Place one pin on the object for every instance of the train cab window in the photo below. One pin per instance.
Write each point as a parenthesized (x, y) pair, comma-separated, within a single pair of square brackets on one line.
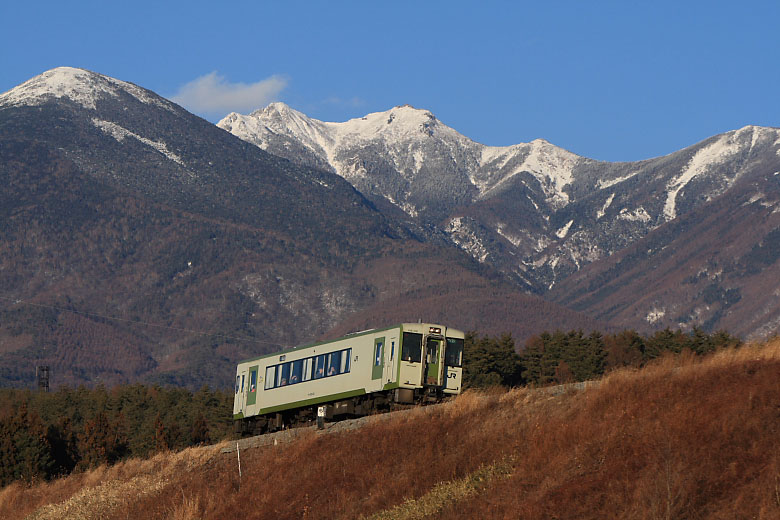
[(411, 348), (392, 350), (378, 354), (453, 353), (242, 382), (253, 380), (238, 380)]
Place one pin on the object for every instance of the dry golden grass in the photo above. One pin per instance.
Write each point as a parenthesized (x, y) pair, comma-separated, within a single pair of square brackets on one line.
[(102, 491), (446, 494), (682, 438)]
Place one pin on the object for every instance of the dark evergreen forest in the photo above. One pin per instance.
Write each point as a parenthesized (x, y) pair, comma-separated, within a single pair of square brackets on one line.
[(44, 435), (560, 357)]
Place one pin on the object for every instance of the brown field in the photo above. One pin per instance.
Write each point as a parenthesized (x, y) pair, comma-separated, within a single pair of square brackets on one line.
[(685, 437)]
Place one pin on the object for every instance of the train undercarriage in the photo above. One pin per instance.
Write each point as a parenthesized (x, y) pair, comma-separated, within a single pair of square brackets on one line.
[(369, 404)]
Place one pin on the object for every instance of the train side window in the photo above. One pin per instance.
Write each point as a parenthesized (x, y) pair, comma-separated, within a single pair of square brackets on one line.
[(283, 374), (411, 348), (297, 372), (334, 362), (319, 368), (345, 359), (270, 377), (307, 365)]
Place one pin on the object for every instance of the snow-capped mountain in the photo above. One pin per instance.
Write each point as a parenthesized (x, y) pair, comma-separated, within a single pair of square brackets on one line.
[(533, 209), (80, 86), (407, 156), (130, 226)]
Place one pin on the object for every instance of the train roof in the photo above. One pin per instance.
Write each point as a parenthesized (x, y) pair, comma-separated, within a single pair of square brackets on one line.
[(350, 335)]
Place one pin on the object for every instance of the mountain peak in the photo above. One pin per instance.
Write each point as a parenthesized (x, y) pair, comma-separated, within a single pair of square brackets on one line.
[(411, 109), (278, 112), (277, 107), (80, 86)]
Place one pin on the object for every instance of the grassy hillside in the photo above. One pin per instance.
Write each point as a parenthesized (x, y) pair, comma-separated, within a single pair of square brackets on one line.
[(682, 438)]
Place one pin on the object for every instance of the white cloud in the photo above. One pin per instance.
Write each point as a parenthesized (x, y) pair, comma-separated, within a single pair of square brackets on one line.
[(213, 95)]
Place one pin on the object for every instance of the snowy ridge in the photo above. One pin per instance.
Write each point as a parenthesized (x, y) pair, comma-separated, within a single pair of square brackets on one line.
[(638, 215), (718, 151), (708, 158), (603, 211), (603, 183), (119, 133), (399, 124), (561, 233), (405, 132), (80, 86), (465, 238), (551, 165)]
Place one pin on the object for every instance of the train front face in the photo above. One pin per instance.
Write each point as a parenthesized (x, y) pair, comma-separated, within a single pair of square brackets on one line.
[(431, 358)]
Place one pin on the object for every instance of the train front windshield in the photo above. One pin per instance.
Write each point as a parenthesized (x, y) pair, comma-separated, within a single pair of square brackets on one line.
[(411, 349), (453, 355)]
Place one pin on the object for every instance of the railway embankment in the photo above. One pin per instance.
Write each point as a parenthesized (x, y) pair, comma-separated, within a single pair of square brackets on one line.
[(292, 434)]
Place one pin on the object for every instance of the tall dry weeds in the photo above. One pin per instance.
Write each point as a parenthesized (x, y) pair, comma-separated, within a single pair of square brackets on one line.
[(684, 438), (103, 491)]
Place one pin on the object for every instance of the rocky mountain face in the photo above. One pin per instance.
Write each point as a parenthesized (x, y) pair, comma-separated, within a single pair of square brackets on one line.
[(541, 214), (715, 266), (140, 242)]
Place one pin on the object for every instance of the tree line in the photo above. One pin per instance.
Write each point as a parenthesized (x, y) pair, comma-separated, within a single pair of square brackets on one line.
[(44, 435), (564, 357)]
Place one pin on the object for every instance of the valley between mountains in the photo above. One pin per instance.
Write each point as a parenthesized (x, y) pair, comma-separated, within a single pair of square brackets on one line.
[(140, 242)]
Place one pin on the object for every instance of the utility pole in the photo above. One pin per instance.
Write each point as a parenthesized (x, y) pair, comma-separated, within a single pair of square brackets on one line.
[(42, 375)]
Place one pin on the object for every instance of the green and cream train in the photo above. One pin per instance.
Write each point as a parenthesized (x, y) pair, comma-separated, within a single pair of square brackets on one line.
[(350, 376)]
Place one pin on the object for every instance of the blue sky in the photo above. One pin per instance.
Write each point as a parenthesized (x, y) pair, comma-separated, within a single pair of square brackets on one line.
[(608, 80)]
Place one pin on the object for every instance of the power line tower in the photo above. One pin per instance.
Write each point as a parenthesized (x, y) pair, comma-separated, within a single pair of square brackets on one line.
[(42, 374)]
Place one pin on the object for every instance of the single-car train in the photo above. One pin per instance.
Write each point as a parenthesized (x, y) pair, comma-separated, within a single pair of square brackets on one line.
[(350, 376)]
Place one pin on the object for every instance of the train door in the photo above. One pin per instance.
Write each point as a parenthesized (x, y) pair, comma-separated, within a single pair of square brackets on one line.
[(433, 352), (251, 386), (410, 373), (390, 353), (378, 370), (240, 398)]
